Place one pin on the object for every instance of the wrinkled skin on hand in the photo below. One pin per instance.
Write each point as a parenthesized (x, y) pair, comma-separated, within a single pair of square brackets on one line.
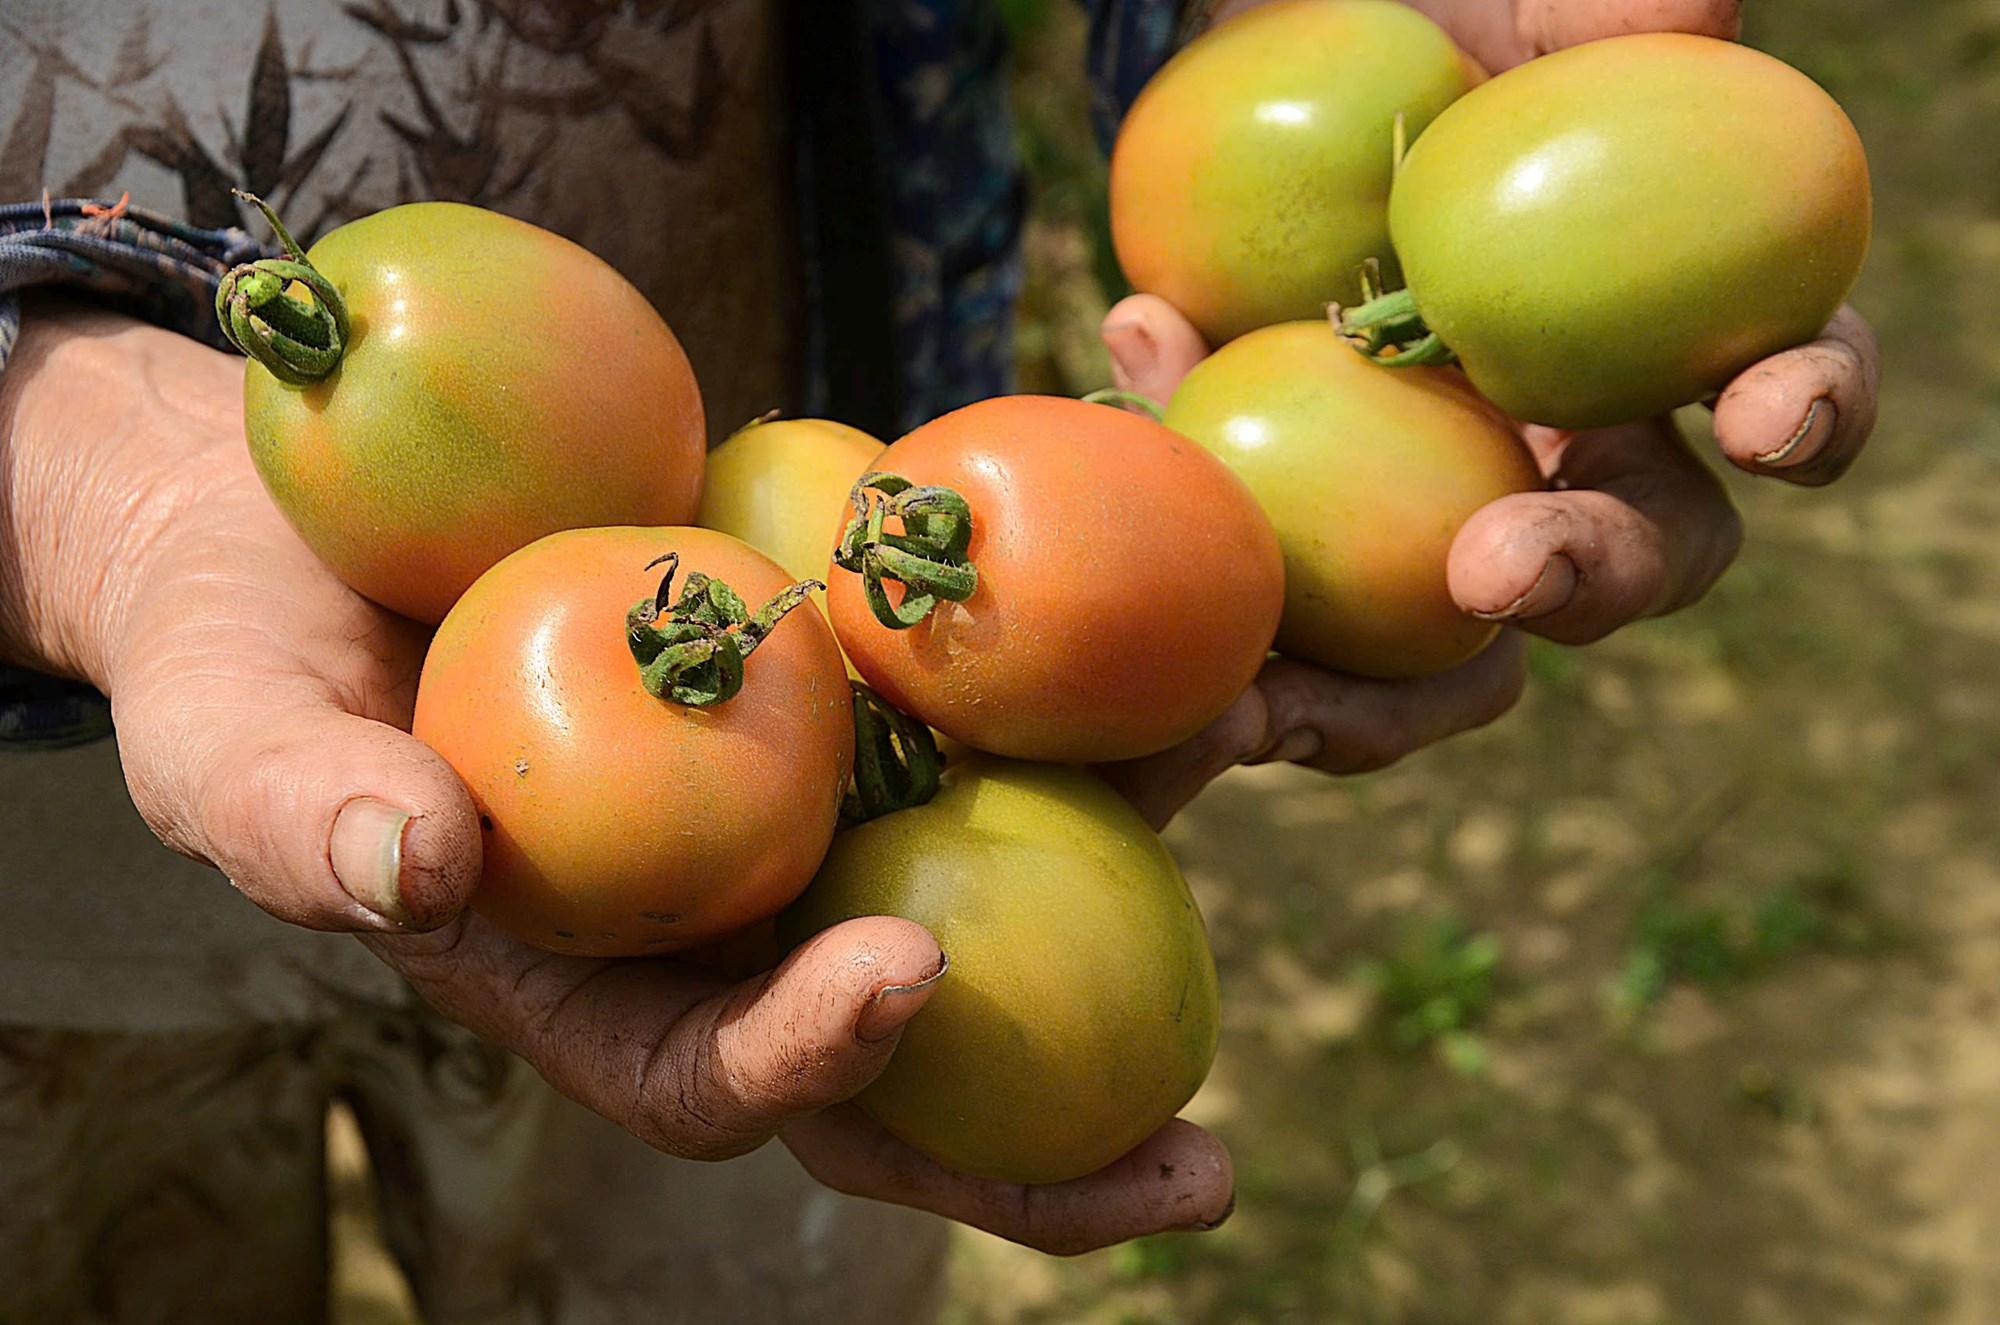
[(263, 712)]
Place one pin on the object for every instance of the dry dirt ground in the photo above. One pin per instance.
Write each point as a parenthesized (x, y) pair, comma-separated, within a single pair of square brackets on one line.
[(1675, 998)]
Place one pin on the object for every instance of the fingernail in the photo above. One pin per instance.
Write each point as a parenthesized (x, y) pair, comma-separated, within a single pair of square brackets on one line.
[(1550, 592), (1132, 354), (1822, 417), (893, 1005), (367, 855), (1211, 1225), (1292, 747)]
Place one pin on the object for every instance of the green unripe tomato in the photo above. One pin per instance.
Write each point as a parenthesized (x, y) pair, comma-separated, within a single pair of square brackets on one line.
[(1080, 1010), (1367, 473), (1250, 179), (1621, 228)]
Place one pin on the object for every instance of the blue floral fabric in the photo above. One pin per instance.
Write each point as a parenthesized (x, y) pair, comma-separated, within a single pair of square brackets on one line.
[(956, 202)]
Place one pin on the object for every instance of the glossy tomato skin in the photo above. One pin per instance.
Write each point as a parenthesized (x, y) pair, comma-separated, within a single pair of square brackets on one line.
[(1250, 179), (618, 824), (1129, 586), (1367, 474), (1620, 228), (782, 486), (1080, 1010), (500, 383)]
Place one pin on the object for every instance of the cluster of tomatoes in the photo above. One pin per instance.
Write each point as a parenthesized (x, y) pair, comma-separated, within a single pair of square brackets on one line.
[(690, 693)]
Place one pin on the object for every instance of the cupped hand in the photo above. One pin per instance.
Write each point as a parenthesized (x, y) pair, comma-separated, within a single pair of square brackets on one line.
[(263, 712), (1633, 524)]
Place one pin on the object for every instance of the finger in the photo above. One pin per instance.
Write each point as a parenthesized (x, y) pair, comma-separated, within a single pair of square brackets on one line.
[(694, 1066), (1637, 527), (1351, 724), (1804, 415), (1177, 1179), (321, 817), (1336, 723), (1553, 25), (1158, 786), (1152, 346)]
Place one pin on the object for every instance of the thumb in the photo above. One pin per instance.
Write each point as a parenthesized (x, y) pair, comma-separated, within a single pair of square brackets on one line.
[(695, 1069), (1553, 25), (323, 818), (812, 1033)]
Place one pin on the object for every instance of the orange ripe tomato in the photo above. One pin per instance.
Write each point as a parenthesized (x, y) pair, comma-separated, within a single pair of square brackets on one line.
[(617, 822), (1127, 585)]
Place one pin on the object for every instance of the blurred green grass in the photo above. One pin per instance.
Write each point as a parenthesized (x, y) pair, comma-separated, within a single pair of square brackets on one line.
[(1713, 919)]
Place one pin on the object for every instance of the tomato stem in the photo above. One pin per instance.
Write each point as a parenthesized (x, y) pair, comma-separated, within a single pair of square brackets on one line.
[(299, 342), (1119, 398), (896, 760), (693, 652), (1388, 329), (927, 558)]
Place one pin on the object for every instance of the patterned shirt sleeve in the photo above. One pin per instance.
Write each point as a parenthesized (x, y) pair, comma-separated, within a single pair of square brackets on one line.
[(152, 266)]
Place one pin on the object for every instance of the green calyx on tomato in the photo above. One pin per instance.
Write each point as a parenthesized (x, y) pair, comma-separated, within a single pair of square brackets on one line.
[(693, 652), (928, 558), (896, 761), (299, 342), (1388, 328)]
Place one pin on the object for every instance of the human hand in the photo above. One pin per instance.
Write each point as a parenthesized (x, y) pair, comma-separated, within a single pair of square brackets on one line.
[(263, 712), (1633, 524)]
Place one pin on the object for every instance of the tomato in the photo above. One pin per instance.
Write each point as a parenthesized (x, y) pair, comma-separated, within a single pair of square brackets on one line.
[(1079, 1012), (1367, 474), (781, 485), (618, 823), (496, 383), (1250, 179), (1622, 227), (1127, 585)]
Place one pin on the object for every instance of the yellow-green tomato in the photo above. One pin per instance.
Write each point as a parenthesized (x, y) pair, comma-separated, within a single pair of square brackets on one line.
[(499, 383), (1367, 474), (1250, 179), (782, 486), (1079, 1013), (1622, 227)]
